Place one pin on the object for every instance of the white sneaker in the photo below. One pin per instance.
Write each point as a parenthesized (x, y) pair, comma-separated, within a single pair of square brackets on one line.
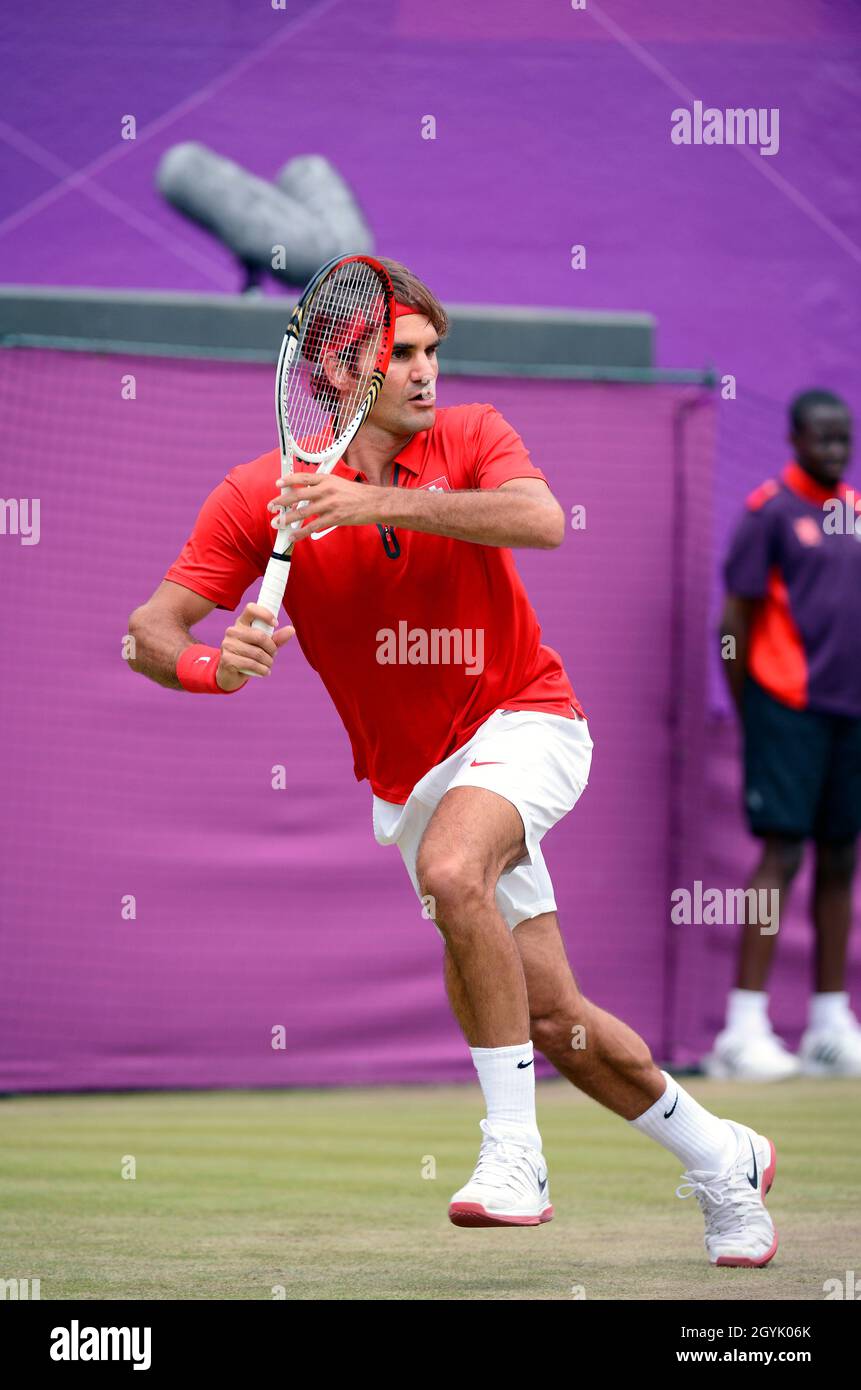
[(832, 1051), (508, 1188), (739, 1230), (750, 1056)]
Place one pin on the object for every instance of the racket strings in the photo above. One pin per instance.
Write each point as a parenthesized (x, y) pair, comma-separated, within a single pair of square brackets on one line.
[(339, 343)]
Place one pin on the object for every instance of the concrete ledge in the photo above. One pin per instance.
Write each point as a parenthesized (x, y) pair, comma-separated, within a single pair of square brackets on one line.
[(482, 340)]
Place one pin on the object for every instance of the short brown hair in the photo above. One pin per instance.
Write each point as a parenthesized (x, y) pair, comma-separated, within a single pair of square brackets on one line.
[(409, 289)]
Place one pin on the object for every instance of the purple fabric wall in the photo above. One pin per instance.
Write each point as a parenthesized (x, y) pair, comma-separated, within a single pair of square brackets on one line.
[(553, 128), (258, 907)]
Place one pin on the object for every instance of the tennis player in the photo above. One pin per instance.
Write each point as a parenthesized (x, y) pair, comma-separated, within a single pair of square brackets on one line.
[(472, 739)]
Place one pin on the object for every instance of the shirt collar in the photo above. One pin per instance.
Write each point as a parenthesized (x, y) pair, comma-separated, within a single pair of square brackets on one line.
[(410, 457), (801, 483)]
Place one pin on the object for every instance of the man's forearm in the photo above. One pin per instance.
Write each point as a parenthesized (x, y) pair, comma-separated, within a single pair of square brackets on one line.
[(736, 624), (486, 516), (156, 650)]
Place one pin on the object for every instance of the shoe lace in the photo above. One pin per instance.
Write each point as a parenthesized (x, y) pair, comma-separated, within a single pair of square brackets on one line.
[(724, 1198), (505, 1163)]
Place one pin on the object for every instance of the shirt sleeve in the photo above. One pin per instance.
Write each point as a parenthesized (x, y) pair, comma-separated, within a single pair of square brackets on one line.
[(230, 544), (750, 555), (496, 452)]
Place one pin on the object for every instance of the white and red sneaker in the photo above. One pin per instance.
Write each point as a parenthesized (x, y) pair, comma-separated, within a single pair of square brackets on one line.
[(508, 1188), (739, 1230), (834, 1051), (750, 1055)]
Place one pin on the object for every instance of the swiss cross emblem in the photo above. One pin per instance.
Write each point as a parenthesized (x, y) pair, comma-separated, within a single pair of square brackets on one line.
[(438, 485)]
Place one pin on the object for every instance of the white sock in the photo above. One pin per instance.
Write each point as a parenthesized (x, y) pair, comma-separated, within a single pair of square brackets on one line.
[(678, 1122), (507, 1077), (829, 1011), (747, 1011)]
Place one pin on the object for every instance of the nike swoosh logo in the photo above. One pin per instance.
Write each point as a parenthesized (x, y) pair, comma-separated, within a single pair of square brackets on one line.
[(668, 1113), (542, 1183), (204, 659), (318, 535), (752, 1180), (524, 1064), (491, 762)]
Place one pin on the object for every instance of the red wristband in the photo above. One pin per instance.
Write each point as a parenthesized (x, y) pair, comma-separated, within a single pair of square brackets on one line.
[(196, 668)]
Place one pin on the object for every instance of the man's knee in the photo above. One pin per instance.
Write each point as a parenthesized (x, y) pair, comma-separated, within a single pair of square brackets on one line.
[(453, 881), (784, 855)]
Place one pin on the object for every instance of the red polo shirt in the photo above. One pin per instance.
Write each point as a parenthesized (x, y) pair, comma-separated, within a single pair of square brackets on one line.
[(417, 638)]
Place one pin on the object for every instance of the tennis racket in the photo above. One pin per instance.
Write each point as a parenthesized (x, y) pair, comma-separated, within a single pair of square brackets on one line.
[(331, 367)]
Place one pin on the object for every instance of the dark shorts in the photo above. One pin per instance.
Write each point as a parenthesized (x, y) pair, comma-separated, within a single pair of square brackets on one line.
[(802, 770)]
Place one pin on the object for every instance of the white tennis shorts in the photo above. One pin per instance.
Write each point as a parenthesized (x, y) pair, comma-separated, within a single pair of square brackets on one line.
[(538, 762)]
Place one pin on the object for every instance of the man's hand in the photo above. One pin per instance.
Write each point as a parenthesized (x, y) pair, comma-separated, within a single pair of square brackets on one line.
[(320, 500), (246, 648)]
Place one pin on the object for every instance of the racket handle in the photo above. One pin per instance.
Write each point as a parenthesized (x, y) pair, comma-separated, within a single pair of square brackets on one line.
[(271, 594)]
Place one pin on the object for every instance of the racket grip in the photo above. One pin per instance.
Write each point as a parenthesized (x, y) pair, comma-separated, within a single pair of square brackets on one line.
[(271, 594)]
